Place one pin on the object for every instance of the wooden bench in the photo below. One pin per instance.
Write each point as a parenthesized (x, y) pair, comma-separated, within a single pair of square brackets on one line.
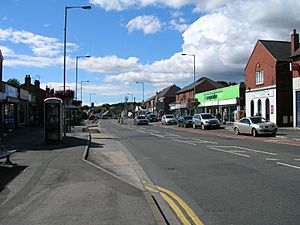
[(6, 154)]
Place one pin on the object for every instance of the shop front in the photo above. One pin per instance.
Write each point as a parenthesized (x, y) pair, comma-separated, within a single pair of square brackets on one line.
[(11, 108), (23, 108), (225, 103)]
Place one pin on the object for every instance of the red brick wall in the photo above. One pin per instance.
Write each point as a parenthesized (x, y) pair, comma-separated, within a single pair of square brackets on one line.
[(295, 72), (260, 59)]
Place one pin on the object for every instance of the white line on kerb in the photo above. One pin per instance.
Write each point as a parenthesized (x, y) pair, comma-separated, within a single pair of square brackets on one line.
[(288, 165)]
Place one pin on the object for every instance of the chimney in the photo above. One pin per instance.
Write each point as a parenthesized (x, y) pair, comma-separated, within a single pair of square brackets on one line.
[(37, 83), (294, 41), (27, 79)]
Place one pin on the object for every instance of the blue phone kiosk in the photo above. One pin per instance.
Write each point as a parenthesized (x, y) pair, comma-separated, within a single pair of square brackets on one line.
[(53, 126)]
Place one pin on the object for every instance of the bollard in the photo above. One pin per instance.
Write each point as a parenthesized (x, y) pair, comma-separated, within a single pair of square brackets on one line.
[(121, 120)]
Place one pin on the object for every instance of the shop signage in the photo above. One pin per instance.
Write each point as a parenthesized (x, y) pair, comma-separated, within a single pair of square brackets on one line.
[(24, 95), (231, 92), (11, 91)]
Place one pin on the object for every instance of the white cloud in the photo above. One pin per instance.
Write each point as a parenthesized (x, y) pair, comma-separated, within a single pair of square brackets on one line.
[(178, 24), (148, 24)]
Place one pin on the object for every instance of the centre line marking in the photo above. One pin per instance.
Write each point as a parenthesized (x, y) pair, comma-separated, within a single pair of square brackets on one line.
[(157, 135), (288, 165), (141, 131), (186, 142), (221, 150), (249, 149)]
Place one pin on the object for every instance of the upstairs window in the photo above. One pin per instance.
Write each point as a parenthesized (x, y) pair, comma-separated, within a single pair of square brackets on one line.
[(259, 77)]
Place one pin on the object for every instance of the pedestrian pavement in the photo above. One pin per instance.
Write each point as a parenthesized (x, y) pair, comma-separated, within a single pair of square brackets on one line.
[(54, 184)]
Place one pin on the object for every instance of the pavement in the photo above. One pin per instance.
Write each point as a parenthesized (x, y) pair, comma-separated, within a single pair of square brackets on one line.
[(54, 184)]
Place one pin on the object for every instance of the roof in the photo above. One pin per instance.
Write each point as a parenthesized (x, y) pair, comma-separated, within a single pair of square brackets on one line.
[(199, 82), (150, 99), (169, 91), (280, 50)]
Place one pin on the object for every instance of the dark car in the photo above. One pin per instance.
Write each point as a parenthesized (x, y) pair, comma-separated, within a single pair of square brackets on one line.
[(152, 118), (139, 120), (185, 121)]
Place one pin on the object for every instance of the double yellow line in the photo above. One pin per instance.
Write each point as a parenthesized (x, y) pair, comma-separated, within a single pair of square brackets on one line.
[(169, 197)]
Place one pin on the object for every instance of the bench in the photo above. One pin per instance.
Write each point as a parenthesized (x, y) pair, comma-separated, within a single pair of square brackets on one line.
[(6, 154)]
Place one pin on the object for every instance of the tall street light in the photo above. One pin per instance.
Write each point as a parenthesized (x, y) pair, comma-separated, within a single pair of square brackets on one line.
[(143, 89), (65, 52), (194, 57), (83, 81), (91, 98), (131, 96), (77, 57)]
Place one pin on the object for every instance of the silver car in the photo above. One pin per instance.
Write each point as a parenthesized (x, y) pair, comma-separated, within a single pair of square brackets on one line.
[(168, 119), (254, 125), (205, 120), (141, 119)]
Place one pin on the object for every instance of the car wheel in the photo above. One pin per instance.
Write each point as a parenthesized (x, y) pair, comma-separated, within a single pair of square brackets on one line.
[(178, 125), (184, 125), (194, 126), (236, 131), (254, 132), (202, 126)]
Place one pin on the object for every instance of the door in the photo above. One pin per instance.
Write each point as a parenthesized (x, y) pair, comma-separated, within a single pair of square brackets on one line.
[(298, 108)]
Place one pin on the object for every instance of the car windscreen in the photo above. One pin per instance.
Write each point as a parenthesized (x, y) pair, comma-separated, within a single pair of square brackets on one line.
[(258, 120), (153, 116), (141, 117), (207, 116), (170, 117), (188, 117)]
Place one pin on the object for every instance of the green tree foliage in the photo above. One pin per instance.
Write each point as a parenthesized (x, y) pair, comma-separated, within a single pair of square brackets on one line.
[(14, 82)]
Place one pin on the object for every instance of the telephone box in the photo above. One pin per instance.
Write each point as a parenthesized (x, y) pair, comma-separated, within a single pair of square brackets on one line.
[(53, 126)]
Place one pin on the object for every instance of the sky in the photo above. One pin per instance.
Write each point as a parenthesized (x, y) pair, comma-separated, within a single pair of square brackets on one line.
[(132, 41)]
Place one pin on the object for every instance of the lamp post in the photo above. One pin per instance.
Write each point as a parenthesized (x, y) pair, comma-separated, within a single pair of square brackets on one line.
[(83, 81), (131, 96), (76, 65), (194, 57), (91, 98), (143, 89), (65, 52)]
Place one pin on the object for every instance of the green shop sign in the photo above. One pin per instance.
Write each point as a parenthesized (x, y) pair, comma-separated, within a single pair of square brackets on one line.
[(231, 92)]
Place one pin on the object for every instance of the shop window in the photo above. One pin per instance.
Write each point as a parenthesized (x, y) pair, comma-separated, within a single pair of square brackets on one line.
[(259, 75), (267, 109), (252, 108), (259, 107)]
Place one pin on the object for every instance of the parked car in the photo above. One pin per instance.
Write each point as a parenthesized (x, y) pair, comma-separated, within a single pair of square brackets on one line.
[(168, 119), (185, 121), (254, 125), (152, 118), (141, 119), (205, 120)]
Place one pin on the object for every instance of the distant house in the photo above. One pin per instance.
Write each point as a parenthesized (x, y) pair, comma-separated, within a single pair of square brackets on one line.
[(185, 98), (295, 67), (269, 82), (150, 104)]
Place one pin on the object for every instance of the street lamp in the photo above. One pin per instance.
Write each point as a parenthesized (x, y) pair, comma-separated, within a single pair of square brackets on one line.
[(91, 98), (83, 81), (65, 53), (143, 89), (131, 96), (194, 71), (77, 57)]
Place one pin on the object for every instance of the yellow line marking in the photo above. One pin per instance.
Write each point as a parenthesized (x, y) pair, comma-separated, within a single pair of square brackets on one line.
[(175, 208), (188, 210)]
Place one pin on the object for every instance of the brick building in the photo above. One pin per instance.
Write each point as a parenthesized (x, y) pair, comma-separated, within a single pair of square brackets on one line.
[(295, 67), (269, 82), (185, 98)]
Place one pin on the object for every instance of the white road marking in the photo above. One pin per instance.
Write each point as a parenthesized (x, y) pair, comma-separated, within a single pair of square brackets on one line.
[(271, 159), (297, 159), (141, 131), (173, 135), (186, 142), (203, 141), (288, 165), (221, 150), (153, 131), (249, 149), (157, 135)]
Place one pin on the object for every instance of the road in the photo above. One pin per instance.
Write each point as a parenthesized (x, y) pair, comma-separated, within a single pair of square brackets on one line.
[(223, 178)]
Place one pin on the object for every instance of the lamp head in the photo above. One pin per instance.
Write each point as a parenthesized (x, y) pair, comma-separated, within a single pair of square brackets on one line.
[(87, 7)]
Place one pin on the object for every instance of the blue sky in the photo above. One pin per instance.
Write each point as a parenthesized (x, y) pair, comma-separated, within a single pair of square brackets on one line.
[(137, 41)]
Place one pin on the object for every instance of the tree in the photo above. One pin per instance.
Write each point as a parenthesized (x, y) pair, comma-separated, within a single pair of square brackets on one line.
[(14, 82)]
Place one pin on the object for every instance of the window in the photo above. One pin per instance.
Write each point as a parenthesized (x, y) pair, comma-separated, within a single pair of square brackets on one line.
[(252, 108), (259, 77), (245, 121)]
